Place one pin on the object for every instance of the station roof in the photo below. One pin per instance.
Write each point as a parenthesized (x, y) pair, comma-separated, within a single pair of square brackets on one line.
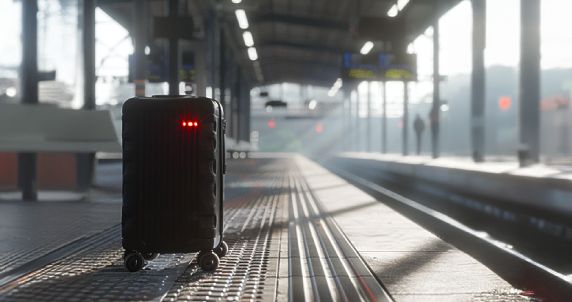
[(300, 40)]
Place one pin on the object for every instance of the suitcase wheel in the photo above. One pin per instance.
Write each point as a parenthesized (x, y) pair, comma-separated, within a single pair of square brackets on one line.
[(221, 249), (150, 256), (208, 261), (133, 261)]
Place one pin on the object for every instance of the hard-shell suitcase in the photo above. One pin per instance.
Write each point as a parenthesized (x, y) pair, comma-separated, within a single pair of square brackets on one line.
[(173, 176)]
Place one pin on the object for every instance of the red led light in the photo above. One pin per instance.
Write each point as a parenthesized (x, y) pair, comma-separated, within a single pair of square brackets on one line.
[(189, 124)]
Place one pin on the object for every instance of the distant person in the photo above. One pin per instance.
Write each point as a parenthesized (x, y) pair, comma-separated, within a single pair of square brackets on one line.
[(419, 127)]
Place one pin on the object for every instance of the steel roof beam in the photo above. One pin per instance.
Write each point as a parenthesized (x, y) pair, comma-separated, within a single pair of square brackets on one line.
[(301, 46), (301, 21)]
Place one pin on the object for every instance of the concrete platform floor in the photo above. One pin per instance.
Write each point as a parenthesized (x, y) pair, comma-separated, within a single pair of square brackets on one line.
[(296, 231)]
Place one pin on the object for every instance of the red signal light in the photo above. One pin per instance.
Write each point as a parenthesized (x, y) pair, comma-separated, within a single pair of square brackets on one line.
[(504, 103), (184, 124), (319, 128), (196, 124), (271, 123)]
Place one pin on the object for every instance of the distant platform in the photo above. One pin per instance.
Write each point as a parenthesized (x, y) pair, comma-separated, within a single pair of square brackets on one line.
[(541, 187), (494, 165)]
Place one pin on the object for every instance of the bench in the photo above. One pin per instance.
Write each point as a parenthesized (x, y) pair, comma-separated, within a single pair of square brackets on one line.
[(238, 150), (57, 135)]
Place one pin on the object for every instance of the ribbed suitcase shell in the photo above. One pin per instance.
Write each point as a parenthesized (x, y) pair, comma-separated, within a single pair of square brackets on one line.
[(172, 175)]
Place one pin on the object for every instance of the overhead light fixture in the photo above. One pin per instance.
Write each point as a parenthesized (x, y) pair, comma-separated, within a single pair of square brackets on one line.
[(396, 8), (252, 54), (236, 1), (11, 92), (429, 31), (393, 11), (248, 39), (241, 18), (410, 48), (312, 104), (401, 4), (334, 90), (366, 48)]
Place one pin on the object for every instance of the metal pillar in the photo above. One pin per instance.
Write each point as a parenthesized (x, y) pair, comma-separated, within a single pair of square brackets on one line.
[(201, 76), (140, 42), (244, 111), (358, 123), (529, 121), (349, 129), (368, 122), (405, 129), (85, 167), (211, 52), (222, 67), (435, 108), (29, 85), (235, 104), (88, 49), (173, 53), (384, 119), (478, 80)]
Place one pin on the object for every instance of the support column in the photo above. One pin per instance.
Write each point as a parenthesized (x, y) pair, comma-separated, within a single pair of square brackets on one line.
[(201, 75), (434, 117), (349, 129), (29, 85), (85, 169), (405, 129), (384, 119), (222, 67), (529, 122), (235, 104), (212, 51), (358, 123), (173, 53), (244, 112), (88, 49), (368, 122), (140, 42), (478, 80)]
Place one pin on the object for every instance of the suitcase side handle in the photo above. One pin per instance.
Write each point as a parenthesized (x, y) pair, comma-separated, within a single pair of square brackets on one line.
[(223, 146), (222, 157)]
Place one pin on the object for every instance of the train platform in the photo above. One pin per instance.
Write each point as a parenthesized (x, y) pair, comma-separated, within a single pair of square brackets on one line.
[(561, 169), (296, 231), (543, 187)]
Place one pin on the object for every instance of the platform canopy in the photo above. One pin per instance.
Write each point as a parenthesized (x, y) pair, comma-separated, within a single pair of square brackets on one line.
[(299, 40)]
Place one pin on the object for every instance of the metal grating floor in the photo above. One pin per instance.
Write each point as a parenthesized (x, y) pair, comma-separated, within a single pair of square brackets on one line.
[(248, 271)]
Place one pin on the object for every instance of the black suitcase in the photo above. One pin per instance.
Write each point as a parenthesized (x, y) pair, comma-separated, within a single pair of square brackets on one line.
[(173, 176)]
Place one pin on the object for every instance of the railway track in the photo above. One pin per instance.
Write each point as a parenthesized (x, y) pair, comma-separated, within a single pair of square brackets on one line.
[(515, 267)]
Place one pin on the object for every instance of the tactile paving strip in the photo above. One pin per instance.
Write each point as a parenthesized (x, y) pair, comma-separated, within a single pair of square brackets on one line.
[(97, 273), (248, 272)]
